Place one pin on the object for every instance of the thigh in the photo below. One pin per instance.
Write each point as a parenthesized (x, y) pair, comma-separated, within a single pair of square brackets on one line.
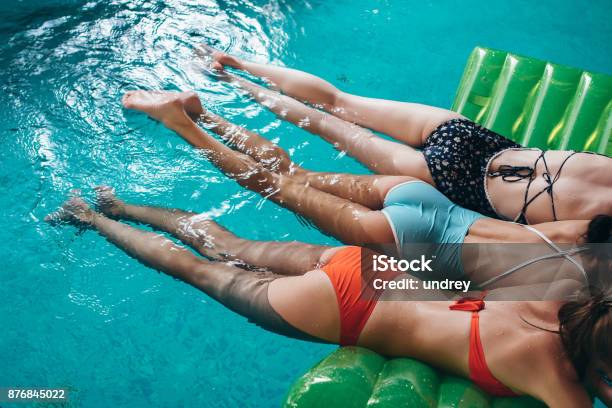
[(378, 154), (410, 123), (284, 258), (367, 190)]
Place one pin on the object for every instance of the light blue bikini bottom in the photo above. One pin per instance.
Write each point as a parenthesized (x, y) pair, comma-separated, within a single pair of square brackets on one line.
[(422, 218)]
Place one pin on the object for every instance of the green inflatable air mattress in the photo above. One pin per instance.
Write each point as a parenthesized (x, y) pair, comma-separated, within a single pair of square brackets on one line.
[(537, 103), (533, 102), (354, 377)]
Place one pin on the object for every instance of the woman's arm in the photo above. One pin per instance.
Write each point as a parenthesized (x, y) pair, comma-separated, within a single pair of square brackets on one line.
[(567, 394)]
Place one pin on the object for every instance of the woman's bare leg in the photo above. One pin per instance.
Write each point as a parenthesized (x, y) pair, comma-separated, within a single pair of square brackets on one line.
[(349, 222), (214, 241), (379, 155), (152, 249), (367, 190), (410, 123), (244, 292)]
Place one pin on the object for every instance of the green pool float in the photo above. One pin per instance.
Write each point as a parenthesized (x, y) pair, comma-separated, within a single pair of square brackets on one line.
[(537, 103), (355, 377), (533, 102)]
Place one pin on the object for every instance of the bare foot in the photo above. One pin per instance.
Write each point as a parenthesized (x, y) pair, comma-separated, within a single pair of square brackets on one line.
[(108, 203), (74, 211), (170, 108), (220, 59)]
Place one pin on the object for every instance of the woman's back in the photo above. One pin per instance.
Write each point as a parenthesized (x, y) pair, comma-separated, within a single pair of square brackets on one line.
[(431, 332), (582, 190), (501, 253)]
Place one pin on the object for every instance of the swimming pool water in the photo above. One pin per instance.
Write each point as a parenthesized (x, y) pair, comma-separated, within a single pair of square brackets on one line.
[(77, 312)]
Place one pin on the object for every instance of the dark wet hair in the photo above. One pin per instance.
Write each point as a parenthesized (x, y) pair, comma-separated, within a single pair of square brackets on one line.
[(585, 327), (599, 229), (585, 324)]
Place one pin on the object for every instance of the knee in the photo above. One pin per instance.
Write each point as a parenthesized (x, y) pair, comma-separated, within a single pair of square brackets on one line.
[(325, 93), (253, 175), (197, 232), (332, 97), (190, 269), (289, 189), (364, 137), (191, 95), (277, 159), (341, 100), (201, 274)]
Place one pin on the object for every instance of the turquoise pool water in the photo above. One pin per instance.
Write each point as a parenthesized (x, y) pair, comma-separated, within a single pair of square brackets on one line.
[(77, 312)]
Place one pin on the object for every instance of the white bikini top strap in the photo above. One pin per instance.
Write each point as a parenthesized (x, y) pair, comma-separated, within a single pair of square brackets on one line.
[(510, 271), (560, 253), (541, 235), (556, 248)]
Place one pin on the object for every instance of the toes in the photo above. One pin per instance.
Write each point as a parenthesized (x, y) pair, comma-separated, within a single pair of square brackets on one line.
[(131, 99), (222, 58), (126, 100), (77, 202), (104, 193), (104, 189), (56, 216), (107, 202), (192, 104), (75, 211), (63, 213), (207, 49), (226, 59)]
